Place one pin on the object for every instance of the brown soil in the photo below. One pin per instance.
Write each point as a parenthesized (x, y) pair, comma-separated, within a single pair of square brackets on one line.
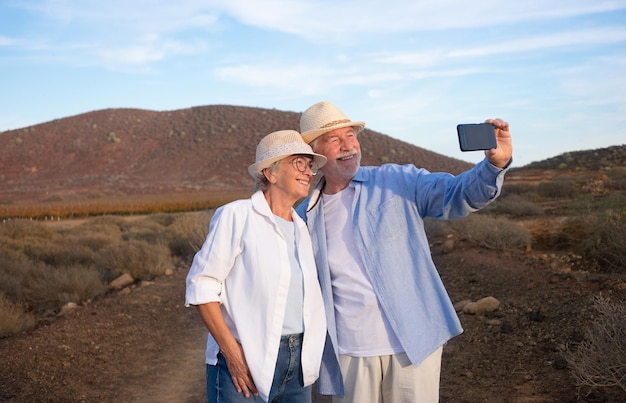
[(144, 345)]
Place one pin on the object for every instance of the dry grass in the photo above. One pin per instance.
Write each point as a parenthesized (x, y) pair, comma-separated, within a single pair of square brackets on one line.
[(47, 288), (493, 232), (600, 360), (13, 319), (44, 266), (128, 205), (138, 258)]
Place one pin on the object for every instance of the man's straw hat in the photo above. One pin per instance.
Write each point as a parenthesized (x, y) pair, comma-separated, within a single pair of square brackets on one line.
[(322, 118)]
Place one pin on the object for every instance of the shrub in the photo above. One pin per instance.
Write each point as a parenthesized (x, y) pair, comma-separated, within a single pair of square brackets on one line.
[(48, 288), (138, 258), (162, 219), (13, 319), (600, 360), (606, 243), (518, 189), (188, 232), (515, 206), (25, 229), (93, 242), (60, 253), (493, 233), (13, 267), (433, 227), (588, 204), (107, 225), (146, 230), (557, 189)]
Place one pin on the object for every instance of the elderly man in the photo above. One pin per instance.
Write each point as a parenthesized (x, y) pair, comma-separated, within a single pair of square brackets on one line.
[(387, 310)]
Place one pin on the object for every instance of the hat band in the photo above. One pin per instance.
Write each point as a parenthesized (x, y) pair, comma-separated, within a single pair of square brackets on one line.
[(335, 122)]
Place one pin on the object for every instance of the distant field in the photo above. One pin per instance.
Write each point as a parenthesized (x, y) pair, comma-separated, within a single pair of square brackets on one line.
[(126, 204)]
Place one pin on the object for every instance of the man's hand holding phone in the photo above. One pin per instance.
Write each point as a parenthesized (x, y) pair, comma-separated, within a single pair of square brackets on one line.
[(493, 136)]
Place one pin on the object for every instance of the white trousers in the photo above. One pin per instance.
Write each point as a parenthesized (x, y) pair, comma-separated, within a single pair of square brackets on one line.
[(390, 379)]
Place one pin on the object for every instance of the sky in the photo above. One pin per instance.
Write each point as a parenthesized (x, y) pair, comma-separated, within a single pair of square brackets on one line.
[(411, 69)]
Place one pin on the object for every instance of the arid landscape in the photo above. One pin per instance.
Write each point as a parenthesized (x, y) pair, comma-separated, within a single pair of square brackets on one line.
[(557, 257)]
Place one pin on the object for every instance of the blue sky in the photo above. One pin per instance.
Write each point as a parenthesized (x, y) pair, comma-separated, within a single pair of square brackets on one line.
[(556, 70)]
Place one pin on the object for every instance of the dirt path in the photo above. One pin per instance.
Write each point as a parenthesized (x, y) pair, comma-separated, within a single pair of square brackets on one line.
[(140, 346)]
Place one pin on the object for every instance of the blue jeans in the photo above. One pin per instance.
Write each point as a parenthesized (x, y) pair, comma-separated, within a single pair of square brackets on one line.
[(286, 386)]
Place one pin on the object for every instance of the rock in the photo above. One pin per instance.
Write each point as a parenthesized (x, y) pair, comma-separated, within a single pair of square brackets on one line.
[(461, 304), (536, 316), (122, 281), (69, 307), (145, 283), (448, 246), (169, 272), (482, 306)]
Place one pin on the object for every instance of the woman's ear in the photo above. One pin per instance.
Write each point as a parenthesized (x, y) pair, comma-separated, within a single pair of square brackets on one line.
[(269, 176)]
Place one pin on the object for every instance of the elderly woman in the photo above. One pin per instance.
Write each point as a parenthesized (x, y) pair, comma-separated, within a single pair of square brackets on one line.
[(254, 282)]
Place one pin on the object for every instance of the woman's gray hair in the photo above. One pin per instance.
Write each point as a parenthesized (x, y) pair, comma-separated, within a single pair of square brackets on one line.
[(313, 144), (261, 182)]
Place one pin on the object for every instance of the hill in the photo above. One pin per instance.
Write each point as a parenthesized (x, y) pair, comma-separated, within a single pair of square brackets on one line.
[(134, 151), (592, 160)]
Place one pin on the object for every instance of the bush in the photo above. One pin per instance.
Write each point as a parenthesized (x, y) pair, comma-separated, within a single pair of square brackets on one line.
[(600, 360), (606, 243), (188, 232), (588, 204), (617, 178), (515, 206), (109, 226), (138, 258), (518, 189), (25, 229), (60, 253), (493, 233), (13, 319), (434, 228), (47, 287), (13, 267), (557, 189), (147, 230)]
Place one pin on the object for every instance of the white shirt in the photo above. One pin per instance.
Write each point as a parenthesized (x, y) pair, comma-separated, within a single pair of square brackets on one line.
[(244, 265), (362, 328), (293, 314)]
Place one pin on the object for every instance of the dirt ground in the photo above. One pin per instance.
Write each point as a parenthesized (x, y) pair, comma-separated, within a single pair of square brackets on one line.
[(145, 346)]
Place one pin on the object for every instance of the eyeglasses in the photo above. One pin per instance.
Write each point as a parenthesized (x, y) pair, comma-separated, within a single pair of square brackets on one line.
[(301, 164)]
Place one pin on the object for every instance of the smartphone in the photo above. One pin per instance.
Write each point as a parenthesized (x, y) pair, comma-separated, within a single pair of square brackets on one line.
[(476, 136)]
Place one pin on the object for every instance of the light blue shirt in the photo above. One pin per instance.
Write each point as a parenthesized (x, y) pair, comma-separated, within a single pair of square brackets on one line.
[(390, 204)]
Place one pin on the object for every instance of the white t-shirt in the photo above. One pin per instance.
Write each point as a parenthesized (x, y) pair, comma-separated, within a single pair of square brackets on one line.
[(293, 312), (362, 328)]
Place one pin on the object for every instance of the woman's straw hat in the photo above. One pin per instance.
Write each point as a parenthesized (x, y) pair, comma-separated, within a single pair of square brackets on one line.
[(278, 145)]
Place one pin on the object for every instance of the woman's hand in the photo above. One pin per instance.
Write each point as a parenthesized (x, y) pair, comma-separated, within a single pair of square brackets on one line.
[(239, 371), (232, 351)]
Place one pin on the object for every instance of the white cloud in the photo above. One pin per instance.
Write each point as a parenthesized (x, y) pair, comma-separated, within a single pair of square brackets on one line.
[(349, 20), (5, 41), (600, 36)]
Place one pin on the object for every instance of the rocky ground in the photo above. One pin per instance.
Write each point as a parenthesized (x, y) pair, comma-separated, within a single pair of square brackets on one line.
[(143, 345)]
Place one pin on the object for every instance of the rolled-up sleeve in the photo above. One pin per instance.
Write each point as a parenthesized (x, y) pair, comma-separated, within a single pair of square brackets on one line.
[(214, 260)]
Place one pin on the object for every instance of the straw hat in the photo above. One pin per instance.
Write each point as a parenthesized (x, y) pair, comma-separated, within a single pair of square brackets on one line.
[(322, 118), (278, 145)]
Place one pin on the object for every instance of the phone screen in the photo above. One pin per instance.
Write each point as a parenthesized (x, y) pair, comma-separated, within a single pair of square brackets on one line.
[(476, 136)]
